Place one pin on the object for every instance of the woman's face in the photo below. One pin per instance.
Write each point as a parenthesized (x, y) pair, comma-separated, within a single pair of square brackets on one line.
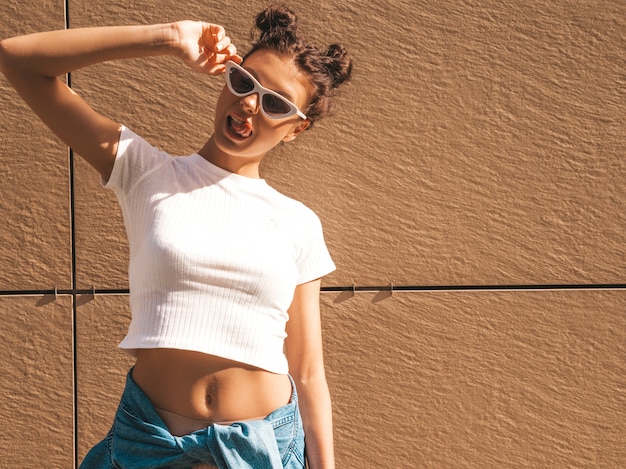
[(241, 129)]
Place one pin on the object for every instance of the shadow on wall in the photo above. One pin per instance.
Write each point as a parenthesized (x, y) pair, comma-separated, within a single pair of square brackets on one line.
[(381, 295)]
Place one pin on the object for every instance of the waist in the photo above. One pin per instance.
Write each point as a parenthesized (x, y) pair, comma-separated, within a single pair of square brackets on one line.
[(208, 388)]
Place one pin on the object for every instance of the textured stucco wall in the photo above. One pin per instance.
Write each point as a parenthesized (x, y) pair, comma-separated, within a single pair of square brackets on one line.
[(480, 144)]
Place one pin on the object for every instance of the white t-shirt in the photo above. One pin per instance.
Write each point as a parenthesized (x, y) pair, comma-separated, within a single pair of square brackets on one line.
[(215, 257)]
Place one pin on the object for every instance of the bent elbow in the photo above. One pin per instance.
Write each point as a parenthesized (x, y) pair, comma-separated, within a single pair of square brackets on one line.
[(5, 56), (2, 56), (9, 55)]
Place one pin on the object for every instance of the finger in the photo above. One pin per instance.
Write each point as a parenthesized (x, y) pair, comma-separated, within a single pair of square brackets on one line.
[(211, 35), (217, 32), (223, 57), (212, 64), (202, 62), (222, 44), (230, 50)]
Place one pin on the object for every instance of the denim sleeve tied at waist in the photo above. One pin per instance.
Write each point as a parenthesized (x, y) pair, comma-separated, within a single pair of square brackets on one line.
[(245, 445)]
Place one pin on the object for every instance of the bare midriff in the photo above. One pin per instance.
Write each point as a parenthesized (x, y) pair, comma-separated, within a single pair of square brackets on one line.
[(207, 388)]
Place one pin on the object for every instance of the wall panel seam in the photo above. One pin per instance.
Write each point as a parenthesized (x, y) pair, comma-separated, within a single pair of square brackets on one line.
[(347, 288)]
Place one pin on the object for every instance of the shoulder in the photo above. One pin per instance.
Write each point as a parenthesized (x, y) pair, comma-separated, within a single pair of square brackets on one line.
[(293, 208), (132, 145), (135, 159)]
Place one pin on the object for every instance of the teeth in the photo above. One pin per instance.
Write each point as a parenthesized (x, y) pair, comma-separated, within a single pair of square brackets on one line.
[(240, 127)]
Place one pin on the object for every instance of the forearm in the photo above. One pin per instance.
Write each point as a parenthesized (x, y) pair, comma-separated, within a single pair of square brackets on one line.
[(54, 53), (315, 407)]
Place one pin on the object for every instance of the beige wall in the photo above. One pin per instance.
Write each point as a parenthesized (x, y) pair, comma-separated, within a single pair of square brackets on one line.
[(480, 144)]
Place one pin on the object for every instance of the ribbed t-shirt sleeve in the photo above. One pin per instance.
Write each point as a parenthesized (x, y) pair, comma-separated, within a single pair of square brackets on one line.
[(135, 159), (314, 260)]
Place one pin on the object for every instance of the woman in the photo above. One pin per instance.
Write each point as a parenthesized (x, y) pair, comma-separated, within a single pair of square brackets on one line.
[(224, 271)]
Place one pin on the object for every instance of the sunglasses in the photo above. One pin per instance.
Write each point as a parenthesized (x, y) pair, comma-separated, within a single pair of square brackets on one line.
[(273, 105)]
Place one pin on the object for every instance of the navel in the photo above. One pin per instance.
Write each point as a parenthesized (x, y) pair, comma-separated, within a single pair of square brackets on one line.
[(210, 393)]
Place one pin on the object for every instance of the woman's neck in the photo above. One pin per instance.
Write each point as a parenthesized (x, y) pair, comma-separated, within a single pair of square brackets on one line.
[(243, 166)]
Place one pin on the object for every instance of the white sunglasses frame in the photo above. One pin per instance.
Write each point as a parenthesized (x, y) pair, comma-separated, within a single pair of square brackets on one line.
[(262, 91)]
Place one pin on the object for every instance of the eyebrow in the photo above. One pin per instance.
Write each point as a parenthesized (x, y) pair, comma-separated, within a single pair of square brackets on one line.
[(284, 94)]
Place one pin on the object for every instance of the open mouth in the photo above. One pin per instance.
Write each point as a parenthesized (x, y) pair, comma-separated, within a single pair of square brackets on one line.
[(239, 127)]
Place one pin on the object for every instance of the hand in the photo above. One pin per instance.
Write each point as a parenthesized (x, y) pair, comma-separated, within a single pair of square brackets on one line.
[(205, 47)]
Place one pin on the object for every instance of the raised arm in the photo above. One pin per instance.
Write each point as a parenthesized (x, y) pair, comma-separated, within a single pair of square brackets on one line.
[(33, 63), (306, 365)]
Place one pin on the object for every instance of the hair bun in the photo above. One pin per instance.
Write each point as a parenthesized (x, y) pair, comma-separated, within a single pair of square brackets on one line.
[(278, 26), (338, 63)]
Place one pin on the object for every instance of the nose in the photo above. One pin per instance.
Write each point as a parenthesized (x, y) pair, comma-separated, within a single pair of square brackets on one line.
[(250, 103)]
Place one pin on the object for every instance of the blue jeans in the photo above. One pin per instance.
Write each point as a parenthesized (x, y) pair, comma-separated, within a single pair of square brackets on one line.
[(140, 440)]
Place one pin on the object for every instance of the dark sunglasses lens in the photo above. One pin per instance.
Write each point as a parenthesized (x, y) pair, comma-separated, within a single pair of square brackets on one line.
[(275, 106), (240, 82)]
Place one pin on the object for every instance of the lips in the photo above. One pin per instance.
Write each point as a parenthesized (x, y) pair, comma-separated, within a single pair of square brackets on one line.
[(240, 127)]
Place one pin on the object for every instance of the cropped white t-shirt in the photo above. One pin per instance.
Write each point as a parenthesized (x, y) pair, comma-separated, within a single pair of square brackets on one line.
[(215, 257)]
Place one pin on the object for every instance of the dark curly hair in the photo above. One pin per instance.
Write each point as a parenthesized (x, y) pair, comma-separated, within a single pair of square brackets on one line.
[(327, 69)]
